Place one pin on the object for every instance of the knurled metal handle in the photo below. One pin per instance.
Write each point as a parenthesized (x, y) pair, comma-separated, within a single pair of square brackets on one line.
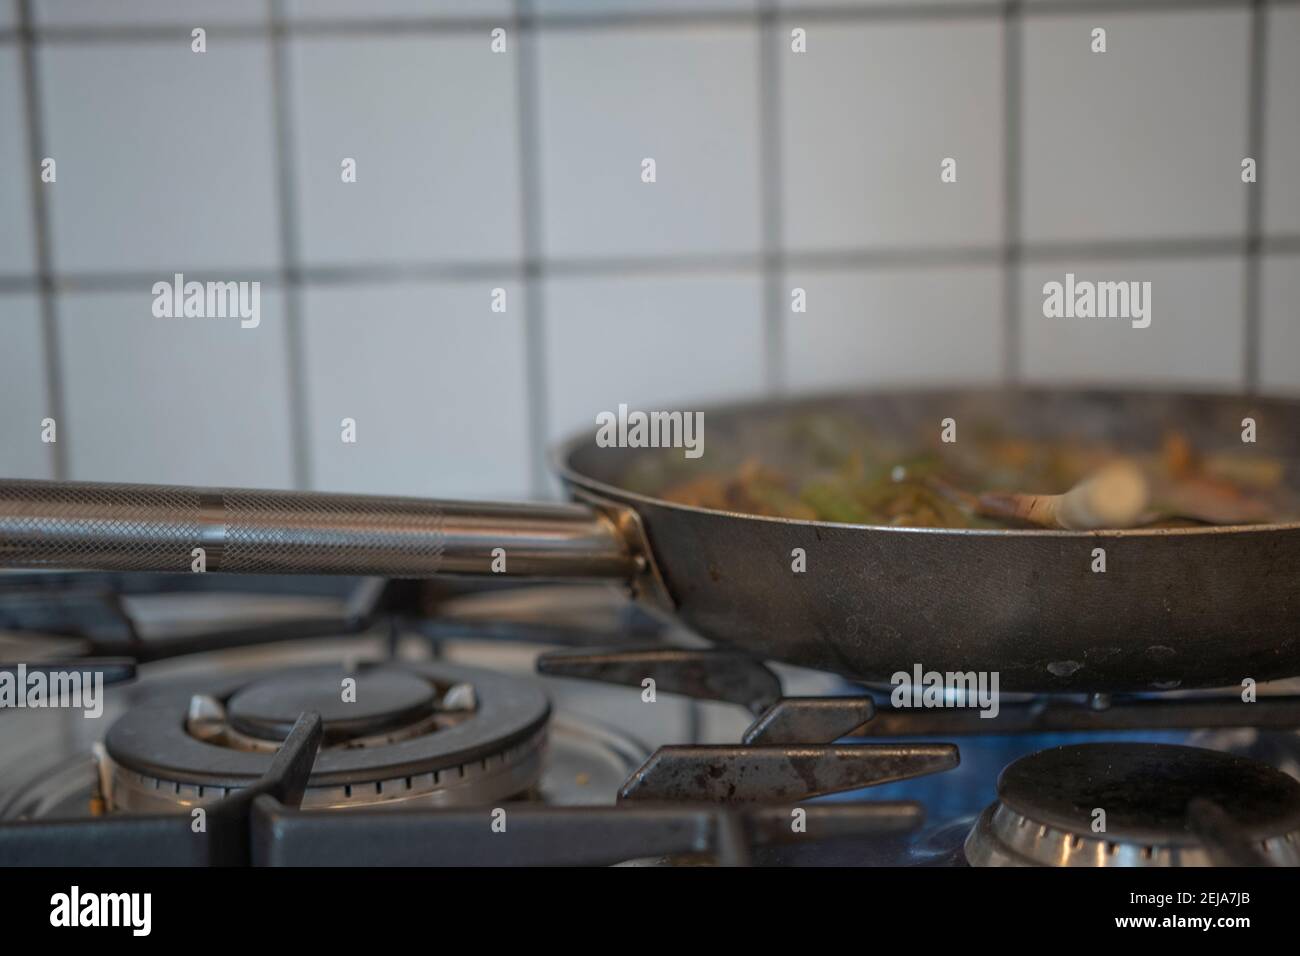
[(120, 527)]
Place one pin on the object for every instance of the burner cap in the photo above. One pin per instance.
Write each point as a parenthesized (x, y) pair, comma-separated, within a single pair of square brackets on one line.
[(384, 698), (1048, 803)]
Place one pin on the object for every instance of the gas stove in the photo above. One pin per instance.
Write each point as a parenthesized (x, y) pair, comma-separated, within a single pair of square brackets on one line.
[(344, 721)]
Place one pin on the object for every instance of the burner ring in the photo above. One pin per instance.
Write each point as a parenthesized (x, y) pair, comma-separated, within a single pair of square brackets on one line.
[(1046, 803), (494, 751)]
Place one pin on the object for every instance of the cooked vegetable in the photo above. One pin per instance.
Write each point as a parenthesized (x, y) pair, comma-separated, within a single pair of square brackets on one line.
[(1116, 496), (835, 469)]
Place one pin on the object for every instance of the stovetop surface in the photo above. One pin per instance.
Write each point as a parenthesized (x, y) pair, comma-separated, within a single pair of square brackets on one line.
[(453, 709)]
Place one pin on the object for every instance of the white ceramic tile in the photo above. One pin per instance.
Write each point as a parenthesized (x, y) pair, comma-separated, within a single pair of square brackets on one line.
[(165, 157), (8, 14), (654, 343), (1145, 140), (188, 401), (858, 4), (685, 97), (1279, 366), (435, 381), (24, 403), (1045, 4), (379, 9), (199, 13), (1195, 337), (641, 6), (1282, 122), (897, 326), (430, 121), (17, 246), (869, 114)]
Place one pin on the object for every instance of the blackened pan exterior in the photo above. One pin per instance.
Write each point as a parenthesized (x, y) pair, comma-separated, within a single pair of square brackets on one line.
[(1174, 609)]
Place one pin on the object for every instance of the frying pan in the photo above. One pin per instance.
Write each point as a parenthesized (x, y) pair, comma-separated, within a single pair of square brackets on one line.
[(1175, 608)]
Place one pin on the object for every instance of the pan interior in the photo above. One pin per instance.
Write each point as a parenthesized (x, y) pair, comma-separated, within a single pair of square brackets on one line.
[(1129, 421)]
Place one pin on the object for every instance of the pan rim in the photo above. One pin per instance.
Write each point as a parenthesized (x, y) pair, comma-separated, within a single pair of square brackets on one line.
[(562, 455)]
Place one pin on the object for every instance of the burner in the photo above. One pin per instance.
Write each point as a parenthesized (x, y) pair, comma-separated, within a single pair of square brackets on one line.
[(429, 733), (1048, 801)]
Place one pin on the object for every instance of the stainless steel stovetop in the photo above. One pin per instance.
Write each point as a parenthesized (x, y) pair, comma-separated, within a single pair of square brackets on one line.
[(350, 721)]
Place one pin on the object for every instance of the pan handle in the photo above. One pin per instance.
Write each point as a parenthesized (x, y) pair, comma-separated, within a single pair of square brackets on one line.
[(119, 527)]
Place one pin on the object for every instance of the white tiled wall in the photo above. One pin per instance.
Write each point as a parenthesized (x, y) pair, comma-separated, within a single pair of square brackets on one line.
[(1194, 338), (522, 171), (434, 380), (148, 12), (164, 157), (686, 98), (650, 342), (637, 6), (202, 401), (869, 114), (17, 250), (23, 389), (1280, 323), (349, 10), (1143, 141), (896, 326), (430, 122), (1282, 121)]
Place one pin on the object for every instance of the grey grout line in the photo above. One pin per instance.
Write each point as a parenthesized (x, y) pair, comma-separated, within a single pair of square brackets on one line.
[(1044, 8), (910, 10), (616, 19), (611, 266), (1196, 247), (54, 390), (524, 19), (1012, 145), (844, 260), (527, 80), (1255, 141), (295, 379), (771, 45)]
